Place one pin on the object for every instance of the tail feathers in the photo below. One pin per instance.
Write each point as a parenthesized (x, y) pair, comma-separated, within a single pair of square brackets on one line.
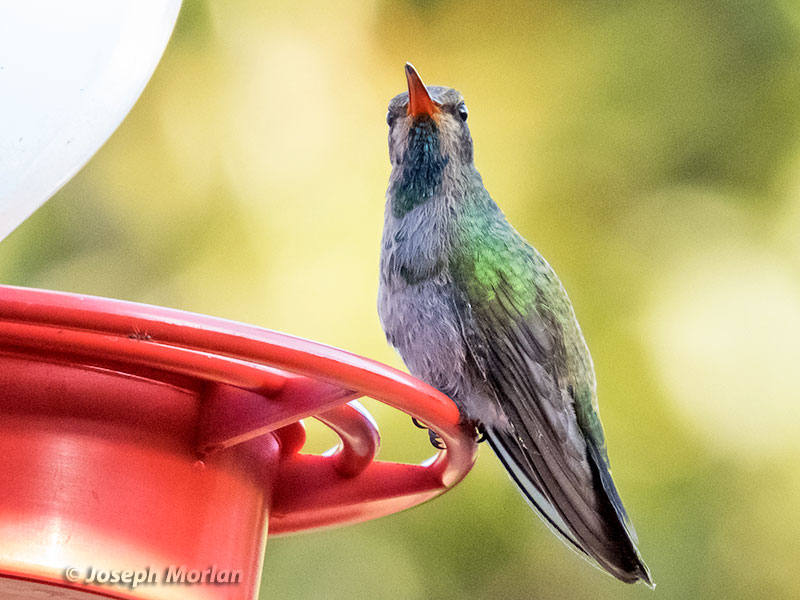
[(533, 494), (617, 555)]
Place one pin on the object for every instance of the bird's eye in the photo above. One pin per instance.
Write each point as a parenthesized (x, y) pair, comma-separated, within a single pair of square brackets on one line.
[(462, 111), (389, 118)]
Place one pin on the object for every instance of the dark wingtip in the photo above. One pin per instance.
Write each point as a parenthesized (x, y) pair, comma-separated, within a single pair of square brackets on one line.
[(645, 577), (638, 573), (628, 567)]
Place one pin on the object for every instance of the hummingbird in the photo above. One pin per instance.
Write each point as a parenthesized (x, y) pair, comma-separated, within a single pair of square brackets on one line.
[(476, 312)]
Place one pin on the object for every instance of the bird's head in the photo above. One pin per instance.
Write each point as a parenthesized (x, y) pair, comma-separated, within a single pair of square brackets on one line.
[(428, 127)]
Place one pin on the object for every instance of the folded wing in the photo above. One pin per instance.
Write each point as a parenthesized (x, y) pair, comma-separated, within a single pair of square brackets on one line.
[(552, 445)]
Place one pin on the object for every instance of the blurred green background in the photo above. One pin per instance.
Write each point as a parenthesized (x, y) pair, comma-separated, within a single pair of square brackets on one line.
[(649, 149)]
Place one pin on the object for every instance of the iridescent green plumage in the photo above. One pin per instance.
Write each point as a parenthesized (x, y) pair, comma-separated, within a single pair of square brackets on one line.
[(525, 342), (502, 275), (475, 311)]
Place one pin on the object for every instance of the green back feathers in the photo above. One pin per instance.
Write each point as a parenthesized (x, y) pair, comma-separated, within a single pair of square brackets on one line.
[(508, 284), (490, 256)]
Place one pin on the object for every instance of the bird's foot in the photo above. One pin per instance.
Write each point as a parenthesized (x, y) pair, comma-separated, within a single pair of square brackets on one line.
[(476, 428), (480, 433), (436, 441)]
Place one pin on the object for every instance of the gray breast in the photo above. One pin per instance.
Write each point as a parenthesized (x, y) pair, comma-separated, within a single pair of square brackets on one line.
[(415, 298), (420, 322)]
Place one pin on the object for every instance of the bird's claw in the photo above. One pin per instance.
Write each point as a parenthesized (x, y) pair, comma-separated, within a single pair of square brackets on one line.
[(480, 432), (436, 441), (476, 428)]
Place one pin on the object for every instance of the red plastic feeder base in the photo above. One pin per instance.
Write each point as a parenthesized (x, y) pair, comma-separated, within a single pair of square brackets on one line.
[(146, 452)]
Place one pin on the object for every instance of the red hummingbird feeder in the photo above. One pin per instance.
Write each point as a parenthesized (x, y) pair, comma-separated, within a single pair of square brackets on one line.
[(145, 451), (148, 452)]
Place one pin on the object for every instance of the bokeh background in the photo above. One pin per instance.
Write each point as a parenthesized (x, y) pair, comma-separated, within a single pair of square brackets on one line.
[(651, 151)]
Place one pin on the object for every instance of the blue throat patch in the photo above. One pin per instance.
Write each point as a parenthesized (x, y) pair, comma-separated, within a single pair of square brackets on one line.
[(423, 165)]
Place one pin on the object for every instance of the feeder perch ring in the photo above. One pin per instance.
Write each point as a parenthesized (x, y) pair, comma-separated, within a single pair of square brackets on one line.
[(112, 408)]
